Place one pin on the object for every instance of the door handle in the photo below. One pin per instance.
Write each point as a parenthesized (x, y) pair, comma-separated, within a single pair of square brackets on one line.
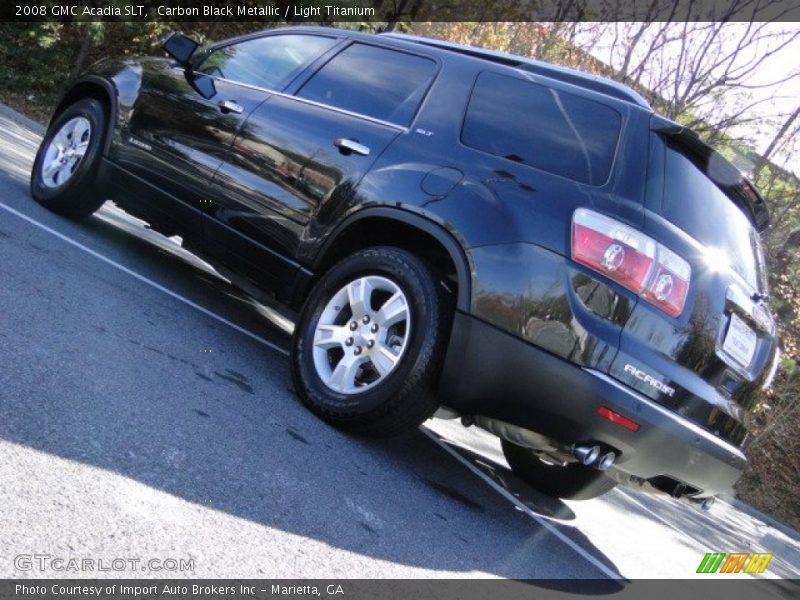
[(231, 106), (351, 147)]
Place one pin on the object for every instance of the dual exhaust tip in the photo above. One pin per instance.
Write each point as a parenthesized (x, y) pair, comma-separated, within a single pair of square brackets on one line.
[(593, 456)]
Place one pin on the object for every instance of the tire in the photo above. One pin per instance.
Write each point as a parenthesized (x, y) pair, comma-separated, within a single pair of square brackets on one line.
[(365, 391), (572, 482), (69, 189)]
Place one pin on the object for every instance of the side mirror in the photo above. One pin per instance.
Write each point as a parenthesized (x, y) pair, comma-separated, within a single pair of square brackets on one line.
[(180, 47)]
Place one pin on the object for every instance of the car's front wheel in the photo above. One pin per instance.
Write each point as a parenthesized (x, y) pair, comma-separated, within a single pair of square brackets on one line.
[(65, 168), (573, 481), (370, 342)]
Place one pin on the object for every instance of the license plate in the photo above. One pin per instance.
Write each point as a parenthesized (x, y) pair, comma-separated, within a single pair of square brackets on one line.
[(740, 341)]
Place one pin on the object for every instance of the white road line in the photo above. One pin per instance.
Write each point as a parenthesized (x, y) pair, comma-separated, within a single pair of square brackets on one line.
[(502, 491), (521, 506), (144, 279)]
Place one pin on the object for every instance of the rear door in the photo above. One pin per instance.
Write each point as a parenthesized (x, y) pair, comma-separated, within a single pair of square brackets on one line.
[(710, 362), (304, 151)]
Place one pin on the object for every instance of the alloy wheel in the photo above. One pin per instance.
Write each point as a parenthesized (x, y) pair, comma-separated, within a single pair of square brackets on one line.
[(65, 151), (361, 334)]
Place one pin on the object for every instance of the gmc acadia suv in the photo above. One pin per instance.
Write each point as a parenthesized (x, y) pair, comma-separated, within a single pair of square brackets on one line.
[(524, 246)]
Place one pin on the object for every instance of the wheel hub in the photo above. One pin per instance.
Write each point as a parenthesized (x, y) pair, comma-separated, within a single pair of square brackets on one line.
[(361, 334), (65, 151)]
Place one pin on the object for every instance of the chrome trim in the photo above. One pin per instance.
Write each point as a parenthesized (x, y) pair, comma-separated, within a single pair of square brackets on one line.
[(312, 103), (736, 295), (763, 317), (744, 301), (682, 421)]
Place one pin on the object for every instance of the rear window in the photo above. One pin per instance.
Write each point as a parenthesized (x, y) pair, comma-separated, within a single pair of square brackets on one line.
[(693, 201), (548, 129)]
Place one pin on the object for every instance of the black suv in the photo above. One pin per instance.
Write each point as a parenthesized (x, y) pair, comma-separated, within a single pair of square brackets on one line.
[(524, 246)]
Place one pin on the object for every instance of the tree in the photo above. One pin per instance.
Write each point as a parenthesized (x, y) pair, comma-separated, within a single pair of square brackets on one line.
[(701, 73)]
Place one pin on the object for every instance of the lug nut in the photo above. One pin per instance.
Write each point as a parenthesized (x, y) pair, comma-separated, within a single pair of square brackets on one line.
[(370, 343), (353, 326), (374, 328), (348, 342), (357, 351), (365, 320)]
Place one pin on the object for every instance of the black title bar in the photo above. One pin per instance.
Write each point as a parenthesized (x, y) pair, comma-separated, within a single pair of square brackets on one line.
[(397, 11)]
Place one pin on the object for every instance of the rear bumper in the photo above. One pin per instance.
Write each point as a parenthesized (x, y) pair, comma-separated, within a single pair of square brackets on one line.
[(491, 373)]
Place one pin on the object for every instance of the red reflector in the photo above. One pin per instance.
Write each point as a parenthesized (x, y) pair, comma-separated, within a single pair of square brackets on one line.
[(617, 418)]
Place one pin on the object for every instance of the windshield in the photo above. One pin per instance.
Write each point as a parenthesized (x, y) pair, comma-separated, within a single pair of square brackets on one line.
[(694, 202)]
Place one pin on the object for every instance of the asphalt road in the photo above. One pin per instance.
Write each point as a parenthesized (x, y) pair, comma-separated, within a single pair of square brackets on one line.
[(146, 412)]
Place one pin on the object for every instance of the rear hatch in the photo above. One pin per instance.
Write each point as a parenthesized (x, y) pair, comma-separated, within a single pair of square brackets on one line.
[(710, 362)]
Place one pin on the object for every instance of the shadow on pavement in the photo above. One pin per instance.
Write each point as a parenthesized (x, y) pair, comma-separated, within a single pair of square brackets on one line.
[(538, 502), (361, 496)]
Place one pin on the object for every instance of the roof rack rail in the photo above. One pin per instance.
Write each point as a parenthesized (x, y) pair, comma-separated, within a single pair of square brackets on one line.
[(585, 80)]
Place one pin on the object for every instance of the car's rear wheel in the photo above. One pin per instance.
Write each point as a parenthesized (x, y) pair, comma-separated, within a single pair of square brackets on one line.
[(65, 168), (573, 481), (369, 345)]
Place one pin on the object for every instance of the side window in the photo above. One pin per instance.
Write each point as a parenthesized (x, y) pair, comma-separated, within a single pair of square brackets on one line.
[(371, 81), (265, 62), (548, 129)]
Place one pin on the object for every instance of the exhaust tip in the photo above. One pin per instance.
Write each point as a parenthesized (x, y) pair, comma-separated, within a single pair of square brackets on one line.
[(707, 503), (605, 461), (586, 454)]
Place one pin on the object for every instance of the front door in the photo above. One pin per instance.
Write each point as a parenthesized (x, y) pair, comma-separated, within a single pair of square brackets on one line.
[(185, 120), (303, 153), (180, 130)]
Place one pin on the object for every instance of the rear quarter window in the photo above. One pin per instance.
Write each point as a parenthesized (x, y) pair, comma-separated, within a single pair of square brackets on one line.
[(542, 127)]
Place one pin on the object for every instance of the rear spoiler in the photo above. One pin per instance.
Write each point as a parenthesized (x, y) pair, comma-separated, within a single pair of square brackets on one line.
[(742, 193)]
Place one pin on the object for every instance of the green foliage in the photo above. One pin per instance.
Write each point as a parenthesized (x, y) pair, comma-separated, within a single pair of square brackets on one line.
[(45, 35)]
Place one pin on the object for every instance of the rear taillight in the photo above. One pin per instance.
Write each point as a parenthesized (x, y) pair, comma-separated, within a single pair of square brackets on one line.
[(669, 283), (618, 251), (632, 259)]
